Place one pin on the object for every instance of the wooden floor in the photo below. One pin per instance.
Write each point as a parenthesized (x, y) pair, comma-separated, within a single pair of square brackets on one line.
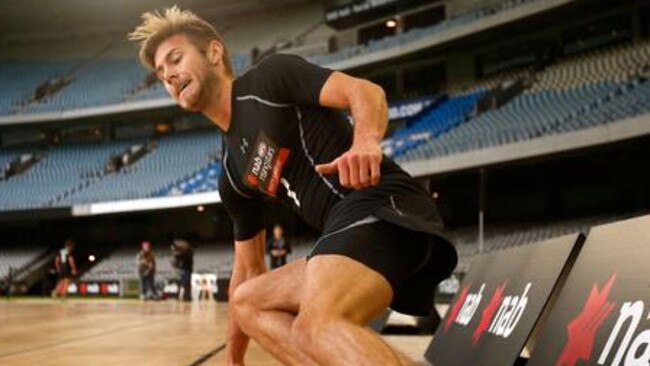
[(130, 332)]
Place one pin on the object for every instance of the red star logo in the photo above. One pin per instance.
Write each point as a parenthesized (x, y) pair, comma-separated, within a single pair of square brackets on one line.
[(252, 180), (488, 313), (583, 328), (456, 308)]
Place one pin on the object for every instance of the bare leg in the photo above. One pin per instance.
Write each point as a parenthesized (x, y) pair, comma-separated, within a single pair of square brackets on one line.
[(265, 308), (55, 292), (64, 287), (340, 296)]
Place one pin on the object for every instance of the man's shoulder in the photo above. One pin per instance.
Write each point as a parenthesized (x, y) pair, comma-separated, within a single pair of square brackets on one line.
[(275, 60), (270, 65)]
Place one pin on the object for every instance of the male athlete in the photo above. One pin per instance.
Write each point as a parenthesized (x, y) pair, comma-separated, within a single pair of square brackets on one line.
[(286, 140)]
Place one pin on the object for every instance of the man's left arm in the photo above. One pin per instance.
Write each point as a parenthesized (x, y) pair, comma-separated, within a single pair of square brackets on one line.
[(290, 79), (359, 167)]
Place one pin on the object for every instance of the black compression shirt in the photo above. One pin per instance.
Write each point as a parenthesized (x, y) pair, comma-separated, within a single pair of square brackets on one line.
[(279, 133)]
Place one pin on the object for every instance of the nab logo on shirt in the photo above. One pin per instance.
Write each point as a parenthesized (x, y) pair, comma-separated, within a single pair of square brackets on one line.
[(264, 168), (499, 317)]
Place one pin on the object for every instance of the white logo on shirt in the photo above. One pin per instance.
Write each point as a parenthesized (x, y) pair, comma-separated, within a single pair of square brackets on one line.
[(291, 194), (243, 146), (261, 150)]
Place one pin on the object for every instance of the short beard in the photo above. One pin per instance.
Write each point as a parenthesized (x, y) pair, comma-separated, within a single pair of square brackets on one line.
[(210, 92)]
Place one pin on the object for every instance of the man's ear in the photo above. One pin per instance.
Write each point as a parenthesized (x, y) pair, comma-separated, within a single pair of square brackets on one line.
[(215, 52)]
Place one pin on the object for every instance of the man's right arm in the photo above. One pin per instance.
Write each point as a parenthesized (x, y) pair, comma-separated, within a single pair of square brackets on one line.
[(249, 263), (249, 233)]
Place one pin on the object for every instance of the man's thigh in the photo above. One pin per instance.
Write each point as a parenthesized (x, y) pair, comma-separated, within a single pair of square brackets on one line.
[(279, 289), (339, 286)]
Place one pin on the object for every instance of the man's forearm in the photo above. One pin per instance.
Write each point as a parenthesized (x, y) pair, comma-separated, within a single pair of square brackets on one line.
[(369, 111)]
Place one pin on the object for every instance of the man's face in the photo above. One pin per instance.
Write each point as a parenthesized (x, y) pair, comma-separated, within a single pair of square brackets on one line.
[(186, 72)]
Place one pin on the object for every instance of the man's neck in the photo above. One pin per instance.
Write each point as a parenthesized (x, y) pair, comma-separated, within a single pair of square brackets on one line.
[(219, 110)]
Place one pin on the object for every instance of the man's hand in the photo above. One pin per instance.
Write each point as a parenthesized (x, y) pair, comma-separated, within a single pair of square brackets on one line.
[(249, 263), (358, 167)]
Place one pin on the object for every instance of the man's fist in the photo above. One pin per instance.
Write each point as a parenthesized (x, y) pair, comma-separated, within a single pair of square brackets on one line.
[(358, 167)]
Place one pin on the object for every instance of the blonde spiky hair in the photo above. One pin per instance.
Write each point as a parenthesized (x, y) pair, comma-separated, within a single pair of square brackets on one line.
[(157, 27)]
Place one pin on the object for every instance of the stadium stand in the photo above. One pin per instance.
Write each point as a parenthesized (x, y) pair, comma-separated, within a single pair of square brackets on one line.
[(20, 80), (18, 257), (177, 158), (8, 155), (62, 171), (208, 258), (428, 125), (509, 236), (492, 81), (205, 180), (579, 92), (76, 173), (99, 83), (95, 83), (616, 64), (121, 264)]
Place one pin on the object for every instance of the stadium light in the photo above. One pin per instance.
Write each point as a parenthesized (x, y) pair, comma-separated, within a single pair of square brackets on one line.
[(91, 258), (391, 23)]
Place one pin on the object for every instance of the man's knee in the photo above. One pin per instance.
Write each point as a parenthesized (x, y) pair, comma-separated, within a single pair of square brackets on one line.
[(243, 301)]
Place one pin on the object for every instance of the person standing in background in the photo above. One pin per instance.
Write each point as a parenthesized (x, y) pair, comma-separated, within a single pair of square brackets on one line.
[(66, 268), (278, 248), (147, 272), (183, 260)]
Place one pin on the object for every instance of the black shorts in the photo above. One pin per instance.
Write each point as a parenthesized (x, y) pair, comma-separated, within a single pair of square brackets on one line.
[(405, 258), (65, 272)]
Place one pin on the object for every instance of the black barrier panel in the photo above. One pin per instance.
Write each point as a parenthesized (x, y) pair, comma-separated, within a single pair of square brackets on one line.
[(499, 302), (601, 315)]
